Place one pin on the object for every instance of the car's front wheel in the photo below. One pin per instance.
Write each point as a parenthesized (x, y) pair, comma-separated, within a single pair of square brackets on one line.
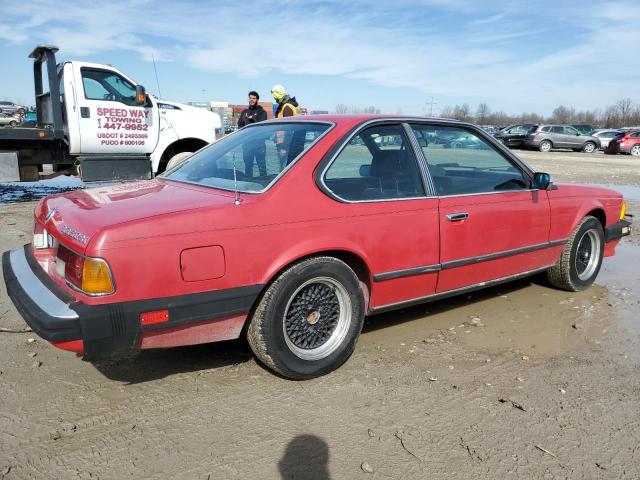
[(589, 147), (308, 320), (545, 146), (13, 123), (581, 258), (635, 151)]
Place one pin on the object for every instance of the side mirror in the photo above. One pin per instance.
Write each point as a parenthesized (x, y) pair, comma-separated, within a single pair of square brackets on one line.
[(141, 95), (541, 180), (365, 170)]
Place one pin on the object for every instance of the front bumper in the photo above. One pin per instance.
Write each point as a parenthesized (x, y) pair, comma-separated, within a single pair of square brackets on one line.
[(617, 231), (115, 328)]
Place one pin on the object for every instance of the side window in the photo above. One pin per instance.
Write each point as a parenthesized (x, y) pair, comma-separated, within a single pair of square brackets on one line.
[(635, 135), (545, 129), (570, 131), (461, 162), (376, 164), (557, 130), (105, 85)]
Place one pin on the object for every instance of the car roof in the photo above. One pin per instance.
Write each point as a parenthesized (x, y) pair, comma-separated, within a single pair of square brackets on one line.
[(346, 120)]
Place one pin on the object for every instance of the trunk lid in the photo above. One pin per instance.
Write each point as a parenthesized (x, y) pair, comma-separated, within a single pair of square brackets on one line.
[(75, 217)]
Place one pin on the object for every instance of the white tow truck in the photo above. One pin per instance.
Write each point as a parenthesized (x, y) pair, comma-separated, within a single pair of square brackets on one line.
[(96, 121)]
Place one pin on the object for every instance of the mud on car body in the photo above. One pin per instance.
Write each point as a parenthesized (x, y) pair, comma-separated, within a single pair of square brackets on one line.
[(340, 226)]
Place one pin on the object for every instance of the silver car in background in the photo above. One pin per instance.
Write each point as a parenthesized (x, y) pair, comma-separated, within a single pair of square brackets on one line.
[(546, 137), (10, 107), (8, 120), (605, 136)]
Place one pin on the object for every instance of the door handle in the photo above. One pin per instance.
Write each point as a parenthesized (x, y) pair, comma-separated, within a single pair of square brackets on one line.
[(85, 112), (457, 217)]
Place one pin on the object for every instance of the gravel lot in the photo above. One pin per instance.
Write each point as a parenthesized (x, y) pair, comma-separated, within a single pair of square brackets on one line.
[(520, 381)]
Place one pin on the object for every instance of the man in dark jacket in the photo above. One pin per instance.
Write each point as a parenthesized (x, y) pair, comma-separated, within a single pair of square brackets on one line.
[(253, 150)]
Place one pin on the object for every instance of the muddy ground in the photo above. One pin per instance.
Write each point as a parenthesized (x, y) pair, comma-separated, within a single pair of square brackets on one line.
[(519, 381)]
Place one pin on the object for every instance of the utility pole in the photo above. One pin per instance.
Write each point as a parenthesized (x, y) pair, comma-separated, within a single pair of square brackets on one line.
[(431, 104)]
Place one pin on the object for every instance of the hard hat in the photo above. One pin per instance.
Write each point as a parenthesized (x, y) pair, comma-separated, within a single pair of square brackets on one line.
[(278, 92)]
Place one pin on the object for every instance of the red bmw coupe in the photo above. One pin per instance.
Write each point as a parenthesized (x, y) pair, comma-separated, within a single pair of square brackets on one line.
[(291, 231)]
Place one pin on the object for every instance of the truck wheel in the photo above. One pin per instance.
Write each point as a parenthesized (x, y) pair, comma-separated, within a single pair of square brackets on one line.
[(177, 159), (309, 319), (581, 258)]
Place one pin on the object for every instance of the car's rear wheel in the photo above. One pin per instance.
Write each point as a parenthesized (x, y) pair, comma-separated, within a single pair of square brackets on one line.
[(545, 146), (13, 123), (581, 258), (308, 320), (635, 151), (589, 147)]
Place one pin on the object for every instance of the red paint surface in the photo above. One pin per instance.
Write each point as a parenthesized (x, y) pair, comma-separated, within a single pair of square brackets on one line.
[(76, 346), (217, 330)]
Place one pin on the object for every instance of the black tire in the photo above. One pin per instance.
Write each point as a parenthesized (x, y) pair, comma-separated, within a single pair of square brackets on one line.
[(13, 123), (589, 147), (574, 271), (297, 307), (635, 150), (545, 146)]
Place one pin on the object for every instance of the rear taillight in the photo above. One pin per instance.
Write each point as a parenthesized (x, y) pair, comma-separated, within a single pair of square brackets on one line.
[(89, 275)]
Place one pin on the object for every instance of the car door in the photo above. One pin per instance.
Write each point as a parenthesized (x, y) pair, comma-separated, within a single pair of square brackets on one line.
[(110, 120), (378, 189), (573, 138), (492, 224), (556, 135)]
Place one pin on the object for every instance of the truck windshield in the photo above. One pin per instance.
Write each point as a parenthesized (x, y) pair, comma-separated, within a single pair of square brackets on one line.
[(255, 156)]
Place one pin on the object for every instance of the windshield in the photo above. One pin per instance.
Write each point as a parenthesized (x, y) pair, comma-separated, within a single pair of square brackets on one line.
[(251, 158)]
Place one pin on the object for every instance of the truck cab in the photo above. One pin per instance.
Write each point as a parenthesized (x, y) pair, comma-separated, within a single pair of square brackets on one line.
[(100, 120)]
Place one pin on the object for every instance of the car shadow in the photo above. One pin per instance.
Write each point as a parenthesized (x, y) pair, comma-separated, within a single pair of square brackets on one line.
[(155, 364)]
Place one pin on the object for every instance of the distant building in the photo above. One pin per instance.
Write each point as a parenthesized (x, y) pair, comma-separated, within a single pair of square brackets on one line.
[(319, 112)]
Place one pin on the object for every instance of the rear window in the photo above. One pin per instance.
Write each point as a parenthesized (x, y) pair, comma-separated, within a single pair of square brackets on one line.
[(250, 159)]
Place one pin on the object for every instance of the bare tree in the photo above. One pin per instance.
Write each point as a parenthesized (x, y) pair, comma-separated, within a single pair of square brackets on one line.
[(482, 113), (625, 107), (341, 109), (462, 112), (562, 114), (447, 112)]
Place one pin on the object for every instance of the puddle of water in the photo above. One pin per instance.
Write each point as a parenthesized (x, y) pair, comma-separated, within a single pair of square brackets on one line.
[(621, 275), (527, 316)]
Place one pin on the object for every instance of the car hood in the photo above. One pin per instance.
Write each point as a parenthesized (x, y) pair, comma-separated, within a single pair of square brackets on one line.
[(80, 215)]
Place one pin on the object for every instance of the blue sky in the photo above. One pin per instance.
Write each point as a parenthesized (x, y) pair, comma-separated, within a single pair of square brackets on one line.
[(513, 55)]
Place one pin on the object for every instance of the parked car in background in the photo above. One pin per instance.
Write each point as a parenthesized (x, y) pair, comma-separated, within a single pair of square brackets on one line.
[(10, 107), (514, 135), (625, 142), (546, 137), (584, 129), (8, 120), (294, 257), (605, 136)]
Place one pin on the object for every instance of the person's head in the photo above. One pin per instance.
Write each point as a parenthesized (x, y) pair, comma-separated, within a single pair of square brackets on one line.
[(253, 98), (278, 92)]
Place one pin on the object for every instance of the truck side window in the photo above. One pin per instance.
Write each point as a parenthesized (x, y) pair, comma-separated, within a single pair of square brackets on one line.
[(105, 85)]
